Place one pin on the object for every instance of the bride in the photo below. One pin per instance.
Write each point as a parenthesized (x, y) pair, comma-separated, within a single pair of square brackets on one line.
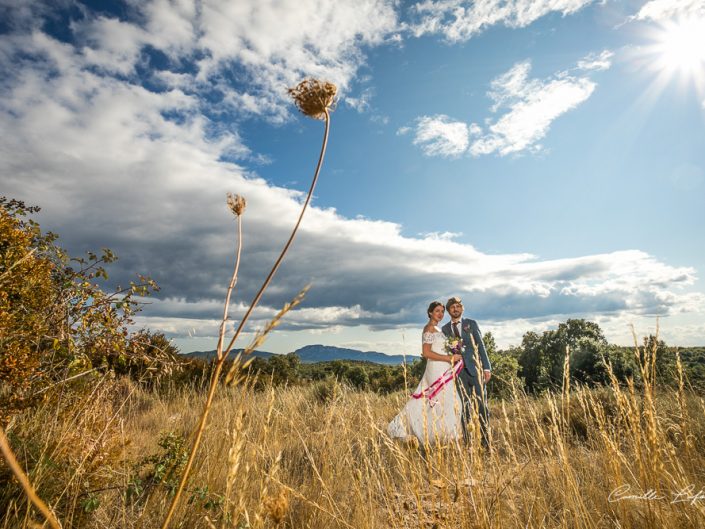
[(433, 414)]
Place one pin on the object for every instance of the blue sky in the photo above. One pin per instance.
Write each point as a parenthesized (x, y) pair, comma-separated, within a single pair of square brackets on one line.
[(542, 159)]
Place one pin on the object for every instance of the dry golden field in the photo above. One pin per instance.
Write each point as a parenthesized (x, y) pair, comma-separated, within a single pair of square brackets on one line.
[(317, 457)]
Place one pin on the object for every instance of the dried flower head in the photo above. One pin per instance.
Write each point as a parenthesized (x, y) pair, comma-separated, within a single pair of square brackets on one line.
[(313, 97), (237, 204), (277, 507)]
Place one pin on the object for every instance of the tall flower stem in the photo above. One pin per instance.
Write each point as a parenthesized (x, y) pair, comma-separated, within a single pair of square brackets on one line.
[(223, 353), (233, 282)]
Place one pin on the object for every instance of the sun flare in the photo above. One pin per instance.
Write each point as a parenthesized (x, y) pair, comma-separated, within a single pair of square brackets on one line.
[(680, 48)]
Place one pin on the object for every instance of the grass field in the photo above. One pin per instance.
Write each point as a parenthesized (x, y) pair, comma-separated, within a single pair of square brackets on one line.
[(317, 457)]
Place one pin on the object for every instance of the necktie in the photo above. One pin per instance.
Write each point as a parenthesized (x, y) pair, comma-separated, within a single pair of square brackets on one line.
[(456, 333)]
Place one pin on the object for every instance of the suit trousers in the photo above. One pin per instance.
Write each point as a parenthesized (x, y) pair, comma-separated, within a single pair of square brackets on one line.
[(473, 396)]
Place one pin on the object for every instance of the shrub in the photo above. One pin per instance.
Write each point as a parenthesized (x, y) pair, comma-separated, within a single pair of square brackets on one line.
[(26, 283), (57, 321)]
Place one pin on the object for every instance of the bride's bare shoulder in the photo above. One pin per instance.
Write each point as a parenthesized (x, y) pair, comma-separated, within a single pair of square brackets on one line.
[(429, 328)]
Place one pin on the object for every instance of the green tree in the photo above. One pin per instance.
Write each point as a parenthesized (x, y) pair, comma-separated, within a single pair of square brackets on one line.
[(623, 362), (505, 373), (357, 377), (664, 359), (542, 357), (533, 368), (339, 369), (283, 369), (490, 343)]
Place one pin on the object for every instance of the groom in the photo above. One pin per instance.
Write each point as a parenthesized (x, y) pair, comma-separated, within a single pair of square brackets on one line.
[(470, 383)]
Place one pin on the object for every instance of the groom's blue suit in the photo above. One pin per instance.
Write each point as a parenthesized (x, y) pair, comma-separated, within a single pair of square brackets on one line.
[(469, 382)]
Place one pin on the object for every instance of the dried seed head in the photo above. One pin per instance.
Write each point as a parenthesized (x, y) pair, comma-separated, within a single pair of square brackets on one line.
[(277, 507), (313, 97), (237, 204)]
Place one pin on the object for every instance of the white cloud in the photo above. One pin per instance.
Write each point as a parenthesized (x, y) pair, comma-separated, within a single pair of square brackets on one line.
[(532, 105), (460, 20), (601, 61), (362, 103), (441, 236), (278, 43), (441, 136), (112, 45), (659, 10), (379, 119), (248, 55)]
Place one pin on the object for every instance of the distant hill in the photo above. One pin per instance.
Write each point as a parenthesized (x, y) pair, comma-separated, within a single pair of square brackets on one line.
[(210, 355), (312, 354), (326, 353)]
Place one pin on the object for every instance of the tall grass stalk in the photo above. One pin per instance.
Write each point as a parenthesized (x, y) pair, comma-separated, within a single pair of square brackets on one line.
[(16, 469)]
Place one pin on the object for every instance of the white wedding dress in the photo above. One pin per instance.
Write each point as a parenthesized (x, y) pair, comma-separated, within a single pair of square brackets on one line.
[(436, 419)]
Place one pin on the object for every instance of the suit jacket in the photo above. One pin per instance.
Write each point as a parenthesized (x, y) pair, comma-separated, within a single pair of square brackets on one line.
[(469, 327)]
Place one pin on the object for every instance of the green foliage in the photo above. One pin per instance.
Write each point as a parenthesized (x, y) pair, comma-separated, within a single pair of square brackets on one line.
[(161, 469), (625, 360), (358, 377), (505, 373), (542, 357), (90, 503), (326, 390), (288, 370), (536, 365), (206, 499), (277, 370), (490, 344)]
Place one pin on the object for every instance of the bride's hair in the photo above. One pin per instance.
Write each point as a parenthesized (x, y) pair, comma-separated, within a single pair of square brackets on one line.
[(432, 307)]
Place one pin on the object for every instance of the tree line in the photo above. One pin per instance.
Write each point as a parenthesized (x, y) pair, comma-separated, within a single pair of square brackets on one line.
[(577, 349)]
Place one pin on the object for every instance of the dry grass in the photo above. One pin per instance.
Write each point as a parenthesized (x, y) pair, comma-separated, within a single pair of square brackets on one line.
[(289, 458)]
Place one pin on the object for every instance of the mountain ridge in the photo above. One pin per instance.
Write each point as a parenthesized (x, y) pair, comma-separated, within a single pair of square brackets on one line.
[(311, 354)]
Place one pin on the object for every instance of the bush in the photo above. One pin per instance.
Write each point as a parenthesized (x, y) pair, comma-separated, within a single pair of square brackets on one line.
[(56, 321), (26, 283), (325, 391)]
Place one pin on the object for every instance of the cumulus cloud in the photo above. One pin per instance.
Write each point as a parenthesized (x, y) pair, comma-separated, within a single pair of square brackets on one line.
[(244, 58), (460, 20), (441, 136), (280, 42)]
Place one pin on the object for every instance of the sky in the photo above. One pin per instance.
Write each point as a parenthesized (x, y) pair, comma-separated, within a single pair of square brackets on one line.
[(541, 159)]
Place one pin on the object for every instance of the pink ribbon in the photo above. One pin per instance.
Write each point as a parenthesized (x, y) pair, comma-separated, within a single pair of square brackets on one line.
[(438, 384)]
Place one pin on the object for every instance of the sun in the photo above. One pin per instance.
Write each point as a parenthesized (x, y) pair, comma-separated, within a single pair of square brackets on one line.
[(678, 52), (680, 48)]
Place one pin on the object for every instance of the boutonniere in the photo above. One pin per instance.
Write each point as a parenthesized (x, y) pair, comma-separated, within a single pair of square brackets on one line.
[(466, 328)]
